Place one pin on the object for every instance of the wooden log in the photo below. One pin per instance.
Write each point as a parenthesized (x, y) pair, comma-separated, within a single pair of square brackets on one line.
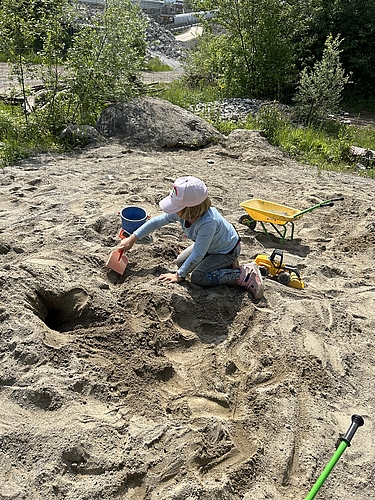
[(362, 152)]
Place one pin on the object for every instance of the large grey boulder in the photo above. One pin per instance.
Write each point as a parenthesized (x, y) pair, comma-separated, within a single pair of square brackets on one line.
[(153, 122)]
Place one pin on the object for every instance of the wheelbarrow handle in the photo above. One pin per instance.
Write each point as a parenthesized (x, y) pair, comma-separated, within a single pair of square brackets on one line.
[(344, 442), (357, 421), (327, 203)]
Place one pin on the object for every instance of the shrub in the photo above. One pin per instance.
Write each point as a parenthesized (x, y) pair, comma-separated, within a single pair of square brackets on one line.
[(319, 90)]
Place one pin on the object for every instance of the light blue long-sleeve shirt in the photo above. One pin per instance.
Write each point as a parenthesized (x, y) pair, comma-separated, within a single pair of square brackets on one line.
[(211, 232)]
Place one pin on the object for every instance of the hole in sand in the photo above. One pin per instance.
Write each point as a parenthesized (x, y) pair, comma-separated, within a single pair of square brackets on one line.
[(53, 319), (62, 312), (44, 398)]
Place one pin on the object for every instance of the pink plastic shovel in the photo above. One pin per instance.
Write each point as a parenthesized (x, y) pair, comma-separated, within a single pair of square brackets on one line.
[(117, 261)]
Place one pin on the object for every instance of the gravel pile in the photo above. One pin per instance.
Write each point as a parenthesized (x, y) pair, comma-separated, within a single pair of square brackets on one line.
[(235, 109), (162, 41)]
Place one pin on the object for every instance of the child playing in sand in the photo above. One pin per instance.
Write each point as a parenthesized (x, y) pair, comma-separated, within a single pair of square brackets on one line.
[(213, 257)]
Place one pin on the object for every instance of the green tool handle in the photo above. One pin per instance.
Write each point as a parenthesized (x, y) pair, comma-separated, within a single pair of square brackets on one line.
[(357, 421), (327, 203), (323, 476)]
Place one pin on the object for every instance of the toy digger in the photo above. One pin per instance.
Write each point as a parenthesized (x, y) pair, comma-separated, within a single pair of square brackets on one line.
[(274, 268)]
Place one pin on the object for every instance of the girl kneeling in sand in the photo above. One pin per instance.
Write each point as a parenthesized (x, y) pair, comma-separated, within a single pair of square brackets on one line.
[(213, 257)]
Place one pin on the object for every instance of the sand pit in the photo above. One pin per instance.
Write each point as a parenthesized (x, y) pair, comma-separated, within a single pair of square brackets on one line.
[(120, 387)]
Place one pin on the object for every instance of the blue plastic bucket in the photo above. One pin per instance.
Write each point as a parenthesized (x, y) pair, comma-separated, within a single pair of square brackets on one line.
[(132, 218)]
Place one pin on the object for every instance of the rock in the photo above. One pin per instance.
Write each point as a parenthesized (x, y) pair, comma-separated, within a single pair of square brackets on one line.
[(142, 121), (80, 135)]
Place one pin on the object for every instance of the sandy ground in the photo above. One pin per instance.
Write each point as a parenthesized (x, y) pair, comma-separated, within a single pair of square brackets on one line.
[(120, 387)]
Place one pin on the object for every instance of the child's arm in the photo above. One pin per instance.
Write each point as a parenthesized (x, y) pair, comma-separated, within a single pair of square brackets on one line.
[(146, 229)]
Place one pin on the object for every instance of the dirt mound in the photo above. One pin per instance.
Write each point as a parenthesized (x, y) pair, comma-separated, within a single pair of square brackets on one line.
[(123, 387)]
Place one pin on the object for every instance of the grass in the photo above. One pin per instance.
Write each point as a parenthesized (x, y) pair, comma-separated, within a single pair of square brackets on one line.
[(315, 147), (181, 94), (326, 147), (155, 64), (365, 137), (19, 139)]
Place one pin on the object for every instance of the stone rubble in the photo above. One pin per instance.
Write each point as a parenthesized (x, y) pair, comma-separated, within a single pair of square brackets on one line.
[(233, 109), (162, 42)]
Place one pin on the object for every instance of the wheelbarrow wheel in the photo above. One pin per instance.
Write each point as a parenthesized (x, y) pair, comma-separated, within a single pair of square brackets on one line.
[(246, 220)]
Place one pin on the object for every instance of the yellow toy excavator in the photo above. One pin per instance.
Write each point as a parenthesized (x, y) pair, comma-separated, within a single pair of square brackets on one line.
[(274, 268)]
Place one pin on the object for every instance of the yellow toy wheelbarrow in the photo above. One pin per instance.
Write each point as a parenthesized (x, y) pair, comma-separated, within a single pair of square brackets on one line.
[(277, 215)]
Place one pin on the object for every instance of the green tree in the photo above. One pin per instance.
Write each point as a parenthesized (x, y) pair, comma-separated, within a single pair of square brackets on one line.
[(301, 18), (319, 91), (79, 76), (203, 70), (352, 20), (105, 59), (53, 20), (252, 53), (17, 38)]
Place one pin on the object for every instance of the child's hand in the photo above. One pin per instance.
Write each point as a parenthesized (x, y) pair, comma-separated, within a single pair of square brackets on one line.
[(127, 243), (170, 277)]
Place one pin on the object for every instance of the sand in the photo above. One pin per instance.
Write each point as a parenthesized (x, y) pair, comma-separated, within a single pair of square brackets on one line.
[(121, 387)]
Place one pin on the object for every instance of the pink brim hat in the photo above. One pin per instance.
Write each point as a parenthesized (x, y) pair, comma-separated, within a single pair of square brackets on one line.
[(186, 192)]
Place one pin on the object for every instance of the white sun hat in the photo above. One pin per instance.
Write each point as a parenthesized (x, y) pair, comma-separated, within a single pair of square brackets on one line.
[(186, 192)]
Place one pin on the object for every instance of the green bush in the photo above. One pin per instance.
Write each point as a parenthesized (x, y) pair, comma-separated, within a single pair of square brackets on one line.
[(319, 91), (156, 64), (19, 139), (271, 121)]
